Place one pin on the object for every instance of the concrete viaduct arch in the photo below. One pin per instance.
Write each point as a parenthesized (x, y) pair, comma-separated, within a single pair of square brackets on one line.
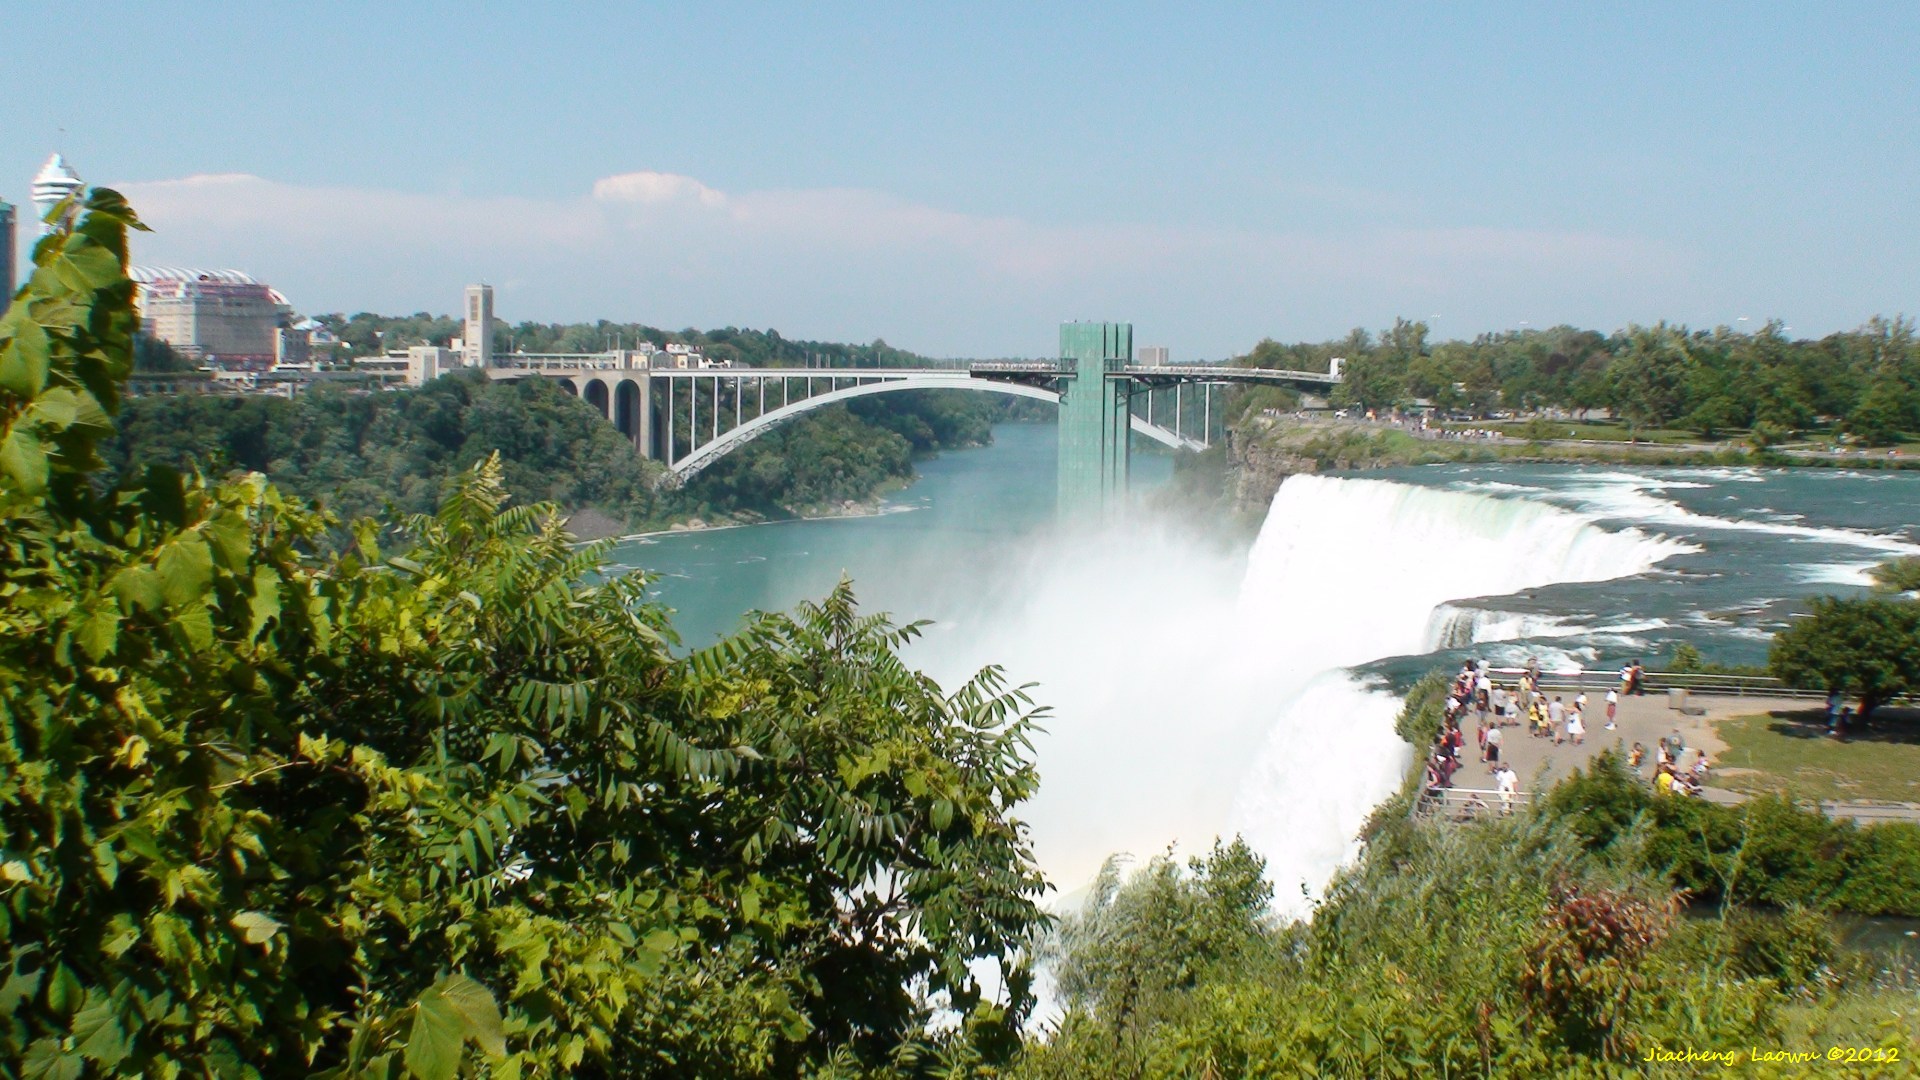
[(1094, 382), (619, 397)]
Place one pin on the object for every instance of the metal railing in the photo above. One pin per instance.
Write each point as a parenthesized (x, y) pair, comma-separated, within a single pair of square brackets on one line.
[(1661, 681), (1467, 804), (1868, 813), (1196, 372)]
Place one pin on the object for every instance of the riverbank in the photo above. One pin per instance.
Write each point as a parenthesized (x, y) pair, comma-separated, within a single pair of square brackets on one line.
[(1264, 450), (590, 524)]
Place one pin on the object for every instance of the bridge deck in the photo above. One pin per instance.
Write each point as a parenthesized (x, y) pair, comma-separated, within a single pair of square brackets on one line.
[(1180, 372), (607, 382)]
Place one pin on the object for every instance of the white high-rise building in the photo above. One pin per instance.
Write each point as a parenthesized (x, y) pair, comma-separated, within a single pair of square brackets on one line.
[(476, 343), (56, 181)]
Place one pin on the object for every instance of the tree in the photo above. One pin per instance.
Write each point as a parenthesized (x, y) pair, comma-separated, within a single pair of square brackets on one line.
[(1881, 414), (1650, 377), (1764, 436), (1868, 647), (154, 355), (454, 806), (1142, 937), (1714, 415), (1897, 575)]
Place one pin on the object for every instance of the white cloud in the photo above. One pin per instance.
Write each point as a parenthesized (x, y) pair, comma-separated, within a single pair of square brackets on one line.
[(656, 187), (844, 263)]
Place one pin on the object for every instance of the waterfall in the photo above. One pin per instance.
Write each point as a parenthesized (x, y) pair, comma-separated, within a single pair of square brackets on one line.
[(1195, 695), (1346, 571)]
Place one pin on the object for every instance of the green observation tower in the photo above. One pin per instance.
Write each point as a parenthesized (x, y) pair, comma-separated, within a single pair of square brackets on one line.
[(1095, 410)]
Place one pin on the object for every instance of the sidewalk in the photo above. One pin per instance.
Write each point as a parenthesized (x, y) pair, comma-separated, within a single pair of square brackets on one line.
[(1645, 720)]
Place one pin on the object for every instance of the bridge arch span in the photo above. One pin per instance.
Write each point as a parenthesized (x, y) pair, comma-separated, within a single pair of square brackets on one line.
[(596, 395), (626, 407), (707, 453)]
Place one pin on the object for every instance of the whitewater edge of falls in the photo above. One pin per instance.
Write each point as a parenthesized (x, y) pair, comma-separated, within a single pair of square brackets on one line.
[(1196, 693), (1357, 570)]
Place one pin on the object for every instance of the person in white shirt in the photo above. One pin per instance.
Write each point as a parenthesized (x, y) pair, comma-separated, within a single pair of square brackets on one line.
[(1613, 702), (1507, 784), (1576, 728)]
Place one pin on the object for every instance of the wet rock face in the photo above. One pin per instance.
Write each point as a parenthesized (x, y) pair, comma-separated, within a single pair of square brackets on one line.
[(591, 524), (1265, 451), (1257, 462)]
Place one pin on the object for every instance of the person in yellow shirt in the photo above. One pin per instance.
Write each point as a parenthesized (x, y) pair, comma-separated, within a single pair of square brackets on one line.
[(1663, 783)]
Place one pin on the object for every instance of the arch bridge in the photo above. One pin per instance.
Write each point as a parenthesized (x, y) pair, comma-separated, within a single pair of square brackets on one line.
[(688, 418)]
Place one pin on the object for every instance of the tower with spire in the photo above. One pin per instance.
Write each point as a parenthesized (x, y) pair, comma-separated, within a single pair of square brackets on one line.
[(56, 181)]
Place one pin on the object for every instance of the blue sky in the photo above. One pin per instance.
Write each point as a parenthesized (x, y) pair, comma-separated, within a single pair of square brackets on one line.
[(959, 178)]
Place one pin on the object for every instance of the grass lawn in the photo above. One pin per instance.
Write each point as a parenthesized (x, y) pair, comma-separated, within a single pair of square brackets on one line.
[(1596, 430), (1790, 752)]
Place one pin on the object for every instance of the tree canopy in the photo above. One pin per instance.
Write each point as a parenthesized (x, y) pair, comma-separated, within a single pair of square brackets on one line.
[(1709, 381), (453, 807), (360, 452), (1865, 646)]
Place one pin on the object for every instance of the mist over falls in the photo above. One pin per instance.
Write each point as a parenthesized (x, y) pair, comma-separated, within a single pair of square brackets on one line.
[(1201, 687), (1196, 694)]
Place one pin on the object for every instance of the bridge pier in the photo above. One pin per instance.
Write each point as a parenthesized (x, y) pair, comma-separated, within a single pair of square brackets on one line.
[(1095, 415)]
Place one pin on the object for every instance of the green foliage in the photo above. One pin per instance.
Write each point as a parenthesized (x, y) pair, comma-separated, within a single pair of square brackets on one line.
[(1794, 948), (1160, 933), (1542, 944), (1588, 963), (1883, 412), (1686, 660), (1867, 647), (1766, 851), (1499, 949), (1711, 382), (151, 355), (1897, 575), (266, 811), (1423, 710), (839, 453), (360, 452)]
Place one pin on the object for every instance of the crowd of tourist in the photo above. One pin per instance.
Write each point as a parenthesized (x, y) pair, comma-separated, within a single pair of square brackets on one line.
[(1669, 778), (1523, 707)]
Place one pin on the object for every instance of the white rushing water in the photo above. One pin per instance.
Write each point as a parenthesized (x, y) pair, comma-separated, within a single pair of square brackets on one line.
[(1346, 571), (1193, 699)]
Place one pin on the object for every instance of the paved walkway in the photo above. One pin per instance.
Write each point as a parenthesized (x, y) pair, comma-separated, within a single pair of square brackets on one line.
[(1643, 719)]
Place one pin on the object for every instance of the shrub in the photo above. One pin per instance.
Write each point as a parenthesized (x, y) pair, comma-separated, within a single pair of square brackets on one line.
[(1795, 947), (1600, 803), (1882, 872)]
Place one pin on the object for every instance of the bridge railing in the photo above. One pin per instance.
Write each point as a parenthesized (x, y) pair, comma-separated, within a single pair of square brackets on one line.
[(1226, 373), (1016, 367)]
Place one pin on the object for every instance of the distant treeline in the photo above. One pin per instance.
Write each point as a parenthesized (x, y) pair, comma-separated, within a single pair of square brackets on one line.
[(358, 452), (367, 334), (1866, 381)]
